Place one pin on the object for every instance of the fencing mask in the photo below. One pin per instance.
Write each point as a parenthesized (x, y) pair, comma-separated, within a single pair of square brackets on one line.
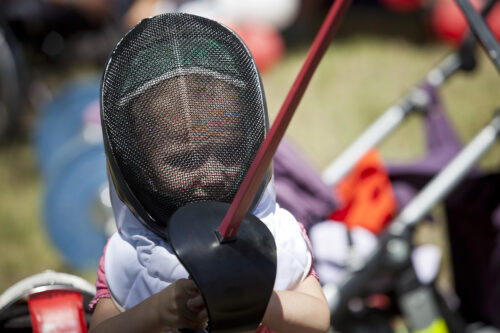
[(183, 115)]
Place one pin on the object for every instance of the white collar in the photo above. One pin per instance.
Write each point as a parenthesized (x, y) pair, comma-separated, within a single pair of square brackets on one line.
[(139, 263)]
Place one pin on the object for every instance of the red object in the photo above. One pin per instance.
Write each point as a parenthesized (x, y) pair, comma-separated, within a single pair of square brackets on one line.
[(264, 42), (494, 20), (378, 301), (239, 207), (450, 24), (57, 311), (402, 6), (366, 195)]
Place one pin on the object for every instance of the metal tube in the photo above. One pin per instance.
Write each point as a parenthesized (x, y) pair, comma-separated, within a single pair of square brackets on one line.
[(384, 125), (445, 69), (448, 178), (389, 121), (481, 29)]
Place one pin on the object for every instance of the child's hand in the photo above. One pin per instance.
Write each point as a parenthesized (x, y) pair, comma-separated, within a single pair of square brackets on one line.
[(181, 306)]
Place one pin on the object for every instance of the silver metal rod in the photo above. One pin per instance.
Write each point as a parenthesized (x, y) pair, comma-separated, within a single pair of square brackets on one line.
[(449, 177), (384, 125), (444, 70), (481, 29), (389, 121)]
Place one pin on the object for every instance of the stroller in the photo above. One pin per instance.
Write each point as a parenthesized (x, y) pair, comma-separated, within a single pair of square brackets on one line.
[(385, 282)]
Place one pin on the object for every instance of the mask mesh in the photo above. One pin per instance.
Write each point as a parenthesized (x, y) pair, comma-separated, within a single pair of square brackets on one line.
[(183, 112)]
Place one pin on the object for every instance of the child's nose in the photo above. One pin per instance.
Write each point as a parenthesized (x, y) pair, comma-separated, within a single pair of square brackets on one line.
[(212, 176)]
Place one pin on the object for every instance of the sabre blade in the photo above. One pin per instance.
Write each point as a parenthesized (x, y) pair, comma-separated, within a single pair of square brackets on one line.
[(229, 226)]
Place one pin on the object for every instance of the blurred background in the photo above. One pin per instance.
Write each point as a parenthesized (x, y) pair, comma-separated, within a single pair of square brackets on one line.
[(54, 207)]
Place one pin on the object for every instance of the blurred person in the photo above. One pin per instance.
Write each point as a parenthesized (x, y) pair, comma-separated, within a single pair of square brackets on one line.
[(279, 14), (66, 31)]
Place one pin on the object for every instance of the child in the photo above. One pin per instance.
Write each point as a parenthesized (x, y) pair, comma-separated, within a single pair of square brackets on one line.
[(183, 116)]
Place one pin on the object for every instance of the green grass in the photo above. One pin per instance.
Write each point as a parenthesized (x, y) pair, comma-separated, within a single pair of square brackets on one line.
[(24, 247), (358, 79)]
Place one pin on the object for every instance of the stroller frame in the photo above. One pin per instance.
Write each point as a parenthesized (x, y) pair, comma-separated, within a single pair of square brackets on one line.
[(422, 307)]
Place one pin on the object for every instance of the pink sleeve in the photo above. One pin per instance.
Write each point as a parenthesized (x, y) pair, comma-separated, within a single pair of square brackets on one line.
[(304, 233), (264, 329), (101, 286)]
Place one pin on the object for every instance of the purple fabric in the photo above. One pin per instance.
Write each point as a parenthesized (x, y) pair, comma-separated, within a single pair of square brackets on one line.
[(442, 145), (299, 187)]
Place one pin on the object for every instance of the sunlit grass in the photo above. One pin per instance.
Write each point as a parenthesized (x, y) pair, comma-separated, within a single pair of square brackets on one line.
[(24, 247), (360, 78)]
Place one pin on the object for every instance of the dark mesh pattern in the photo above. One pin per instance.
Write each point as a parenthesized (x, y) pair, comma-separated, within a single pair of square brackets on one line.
[(183, 112)]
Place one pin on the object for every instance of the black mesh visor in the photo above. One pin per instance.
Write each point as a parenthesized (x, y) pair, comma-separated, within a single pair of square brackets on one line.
[(183, 113)]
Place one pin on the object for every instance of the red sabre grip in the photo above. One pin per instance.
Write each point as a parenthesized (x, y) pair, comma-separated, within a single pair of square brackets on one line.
[(239, 207)]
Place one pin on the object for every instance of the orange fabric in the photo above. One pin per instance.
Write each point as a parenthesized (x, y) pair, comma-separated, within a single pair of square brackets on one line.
[(366, 195)]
